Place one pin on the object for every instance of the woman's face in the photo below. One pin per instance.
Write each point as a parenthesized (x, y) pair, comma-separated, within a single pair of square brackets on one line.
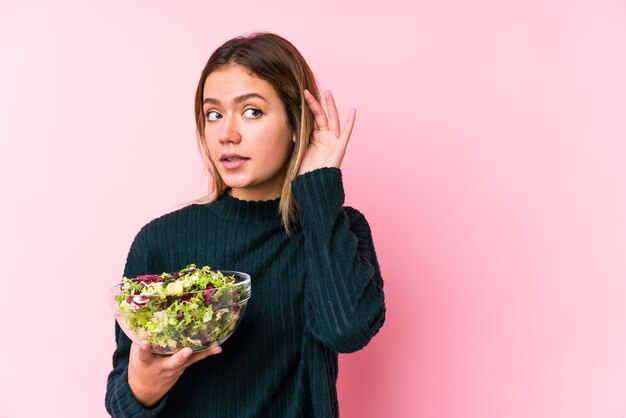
[(247, 133)]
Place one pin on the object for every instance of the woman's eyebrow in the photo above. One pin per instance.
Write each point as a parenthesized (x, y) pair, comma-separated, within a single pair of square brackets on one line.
[(238, 99)]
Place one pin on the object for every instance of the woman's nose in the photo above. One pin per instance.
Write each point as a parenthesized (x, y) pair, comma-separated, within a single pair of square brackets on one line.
[(229, 131)]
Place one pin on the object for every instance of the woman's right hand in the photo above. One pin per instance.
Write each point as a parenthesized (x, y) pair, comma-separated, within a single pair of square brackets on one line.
[(151, 375)]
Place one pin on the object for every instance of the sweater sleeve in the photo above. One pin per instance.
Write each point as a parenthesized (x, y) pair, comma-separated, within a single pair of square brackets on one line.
[(119, 399), (344, 289)]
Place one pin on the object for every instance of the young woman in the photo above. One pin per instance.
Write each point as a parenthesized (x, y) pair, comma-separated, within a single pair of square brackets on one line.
[(276, 212)]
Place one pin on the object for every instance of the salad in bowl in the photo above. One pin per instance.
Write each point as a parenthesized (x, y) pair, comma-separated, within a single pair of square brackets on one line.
[(194, 307)]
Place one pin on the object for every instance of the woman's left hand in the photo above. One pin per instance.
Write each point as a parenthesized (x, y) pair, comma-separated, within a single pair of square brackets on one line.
[(328, 142)]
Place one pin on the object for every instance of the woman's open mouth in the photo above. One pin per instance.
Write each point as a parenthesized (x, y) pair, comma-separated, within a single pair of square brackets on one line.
[(232, 161)]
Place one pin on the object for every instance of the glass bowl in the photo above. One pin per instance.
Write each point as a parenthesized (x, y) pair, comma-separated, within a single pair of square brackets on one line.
[(170, 322)]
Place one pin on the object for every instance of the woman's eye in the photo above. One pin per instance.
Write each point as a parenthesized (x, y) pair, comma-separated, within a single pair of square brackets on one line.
[(212, 116), (252, 113)]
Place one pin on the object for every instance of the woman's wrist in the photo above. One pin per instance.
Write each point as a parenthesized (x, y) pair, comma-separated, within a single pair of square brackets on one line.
[(146, 395)]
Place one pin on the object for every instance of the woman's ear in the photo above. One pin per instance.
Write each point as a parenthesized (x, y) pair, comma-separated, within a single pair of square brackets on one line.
[(293, 138)]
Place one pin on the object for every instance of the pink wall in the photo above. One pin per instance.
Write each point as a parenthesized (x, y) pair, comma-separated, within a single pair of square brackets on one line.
[(488, 156)]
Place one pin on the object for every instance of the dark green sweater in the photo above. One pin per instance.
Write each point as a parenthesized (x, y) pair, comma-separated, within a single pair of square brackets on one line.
[(314, 294)]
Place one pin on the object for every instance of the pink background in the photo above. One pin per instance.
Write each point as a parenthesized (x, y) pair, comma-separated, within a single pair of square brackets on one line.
[(488, 156)]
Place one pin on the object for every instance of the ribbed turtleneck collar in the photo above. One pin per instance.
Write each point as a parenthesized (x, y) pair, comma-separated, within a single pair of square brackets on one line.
[(246, 211)]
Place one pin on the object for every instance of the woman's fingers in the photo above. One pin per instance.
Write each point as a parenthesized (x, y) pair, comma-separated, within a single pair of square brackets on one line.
[(347, 130), (203, 354), (329, 120), (186, 357), (178, 360), (144, 353), (318, 111), (333, 115)]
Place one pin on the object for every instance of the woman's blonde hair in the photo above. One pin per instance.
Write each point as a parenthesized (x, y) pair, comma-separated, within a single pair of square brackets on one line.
[(275, 60)]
